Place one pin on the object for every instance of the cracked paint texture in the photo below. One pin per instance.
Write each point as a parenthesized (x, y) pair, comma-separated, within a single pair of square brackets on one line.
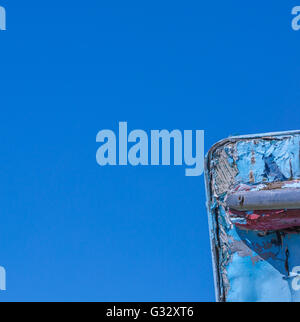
[(252, 265)]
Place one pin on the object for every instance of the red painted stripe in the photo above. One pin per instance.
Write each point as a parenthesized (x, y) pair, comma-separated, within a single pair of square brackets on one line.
[(266, 220)]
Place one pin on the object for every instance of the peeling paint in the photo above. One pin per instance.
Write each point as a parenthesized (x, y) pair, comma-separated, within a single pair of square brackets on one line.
[(253, 265)]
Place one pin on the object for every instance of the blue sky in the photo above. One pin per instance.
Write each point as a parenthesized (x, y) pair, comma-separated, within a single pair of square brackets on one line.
[(73, 231)]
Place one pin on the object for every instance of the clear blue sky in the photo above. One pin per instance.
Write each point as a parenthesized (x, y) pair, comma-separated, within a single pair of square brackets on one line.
[(71, 230)]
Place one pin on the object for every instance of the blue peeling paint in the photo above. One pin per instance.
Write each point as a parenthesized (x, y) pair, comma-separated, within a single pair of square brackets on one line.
[(250, 266)]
